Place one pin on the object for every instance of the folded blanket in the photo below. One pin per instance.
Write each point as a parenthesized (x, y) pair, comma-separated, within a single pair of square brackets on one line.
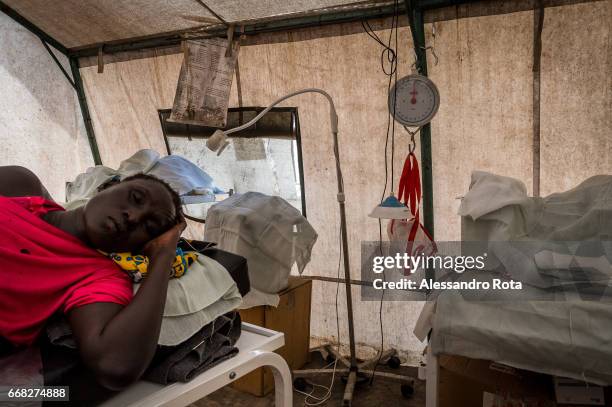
[(235, 265), (210, 346)]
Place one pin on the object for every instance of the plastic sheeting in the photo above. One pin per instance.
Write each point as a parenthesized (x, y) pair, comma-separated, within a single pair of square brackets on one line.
[(569, 337), (266, 230), (203, 90), (498, 208)]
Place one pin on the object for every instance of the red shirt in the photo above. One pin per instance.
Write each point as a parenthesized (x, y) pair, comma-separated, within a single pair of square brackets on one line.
[(44, 270)]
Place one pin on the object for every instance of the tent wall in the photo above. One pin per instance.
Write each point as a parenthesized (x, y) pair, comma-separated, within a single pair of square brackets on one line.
[(485, 81), (577, 94), (40, 121)]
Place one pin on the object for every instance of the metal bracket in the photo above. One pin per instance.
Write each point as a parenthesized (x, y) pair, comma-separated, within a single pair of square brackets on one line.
[(93, 144), (101, 59), (58, 63), (417, 28), (230, 39)]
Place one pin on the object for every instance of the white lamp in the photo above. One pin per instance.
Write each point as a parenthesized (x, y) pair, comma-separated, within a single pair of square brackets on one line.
[(218, 141)]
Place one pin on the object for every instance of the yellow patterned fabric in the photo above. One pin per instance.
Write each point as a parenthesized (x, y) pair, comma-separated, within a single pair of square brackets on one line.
[(137, 265)]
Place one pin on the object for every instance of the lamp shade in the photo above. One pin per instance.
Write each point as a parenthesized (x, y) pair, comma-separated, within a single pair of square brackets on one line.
[(391, 208)]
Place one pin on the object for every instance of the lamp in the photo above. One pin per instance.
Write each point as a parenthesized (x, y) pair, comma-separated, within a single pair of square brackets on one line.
[(218, 141)]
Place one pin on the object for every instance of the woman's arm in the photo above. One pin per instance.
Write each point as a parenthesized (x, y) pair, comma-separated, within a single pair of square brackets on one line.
[(118, 343), (19, 181)]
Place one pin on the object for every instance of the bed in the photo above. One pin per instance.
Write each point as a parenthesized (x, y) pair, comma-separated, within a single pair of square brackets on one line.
[(569, 336), (256, 346)]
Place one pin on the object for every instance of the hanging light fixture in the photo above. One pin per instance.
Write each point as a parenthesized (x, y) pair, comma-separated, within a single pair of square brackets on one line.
[(391, 208)]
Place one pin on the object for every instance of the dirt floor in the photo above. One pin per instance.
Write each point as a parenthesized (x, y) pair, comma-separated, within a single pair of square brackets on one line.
[(382, 393)]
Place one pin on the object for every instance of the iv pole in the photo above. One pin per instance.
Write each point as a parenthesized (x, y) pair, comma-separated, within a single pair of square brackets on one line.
[(217, 142)]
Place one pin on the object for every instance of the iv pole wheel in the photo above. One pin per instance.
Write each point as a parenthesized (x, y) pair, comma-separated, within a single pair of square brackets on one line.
[(300, 383), (394, 362), (407, 390)]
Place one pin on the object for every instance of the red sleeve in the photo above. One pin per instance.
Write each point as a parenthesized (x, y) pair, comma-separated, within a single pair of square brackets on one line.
[(114, 287)]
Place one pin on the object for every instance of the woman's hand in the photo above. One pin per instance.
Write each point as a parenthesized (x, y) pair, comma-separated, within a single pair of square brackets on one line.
[(166, 242)]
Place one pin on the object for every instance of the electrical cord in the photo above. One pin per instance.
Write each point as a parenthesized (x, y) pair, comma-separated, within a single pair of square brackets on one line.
[(392, 57), (328, 393), (328, 389)]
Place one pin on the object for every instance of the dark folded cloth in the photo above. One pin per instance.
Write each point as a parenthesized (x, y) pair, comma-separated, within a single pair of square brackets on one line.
[(235, 265), (62, 366), (208, 347), (59, 332)]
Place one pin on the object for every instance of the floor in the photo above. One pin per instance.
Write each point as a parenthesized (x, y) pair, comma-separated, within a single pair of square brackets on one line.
[(381, 393)]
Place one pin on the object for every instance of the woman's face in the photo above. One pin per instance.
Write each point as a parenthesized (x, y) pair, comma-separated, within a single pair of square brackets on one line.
[(124, 217)]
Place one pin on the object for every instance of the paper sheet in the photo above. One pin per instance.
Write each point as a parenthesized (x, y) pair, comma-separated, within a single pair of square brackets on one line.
[(203, 90)]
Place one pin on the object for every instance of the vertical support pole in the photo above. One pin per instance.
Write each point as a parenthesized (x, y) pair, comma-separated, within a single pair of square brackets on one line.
[(345, 258), (418, 36), (432, 379), (298, 138), (417, 28), (91, 136), (538, 22)]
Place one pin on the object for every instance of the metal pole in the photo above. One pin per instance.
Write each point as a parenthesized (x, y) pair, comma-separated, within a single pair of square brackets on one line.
[(298, 138), (417, 27), (351, 380), (538, 22), (58, 63), (91, 136), (345, 255)]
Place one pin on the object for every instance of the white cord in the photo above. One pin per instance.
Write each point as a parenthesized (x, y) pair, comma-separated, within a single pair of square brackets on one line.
[(328, 393), (328, 390), (332, 110)]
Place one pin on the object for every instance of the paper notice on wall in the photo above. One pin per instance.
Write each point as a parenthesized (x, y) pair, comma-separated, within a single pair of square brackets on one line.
[(205, 81)]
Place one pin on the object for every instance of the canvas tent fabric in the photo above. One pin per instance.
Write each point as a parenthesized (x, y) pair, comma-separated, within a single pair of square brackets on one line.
[(484, 122), (78, 24), (233, 11)]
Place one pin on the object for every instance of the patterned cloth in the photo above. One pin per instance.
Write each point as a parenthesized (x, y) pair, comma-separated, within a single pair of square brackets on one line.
[(136, 266)]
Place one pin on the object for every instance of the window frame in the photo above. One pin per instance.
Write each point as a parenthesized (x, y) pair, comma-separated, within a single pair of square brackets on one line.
[(295, 131)]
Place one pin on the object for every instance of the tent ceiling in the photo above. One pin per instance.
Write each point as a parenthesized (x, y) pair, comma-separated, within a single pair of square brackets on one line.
[(253, 10), (80, 24), (77, 23)]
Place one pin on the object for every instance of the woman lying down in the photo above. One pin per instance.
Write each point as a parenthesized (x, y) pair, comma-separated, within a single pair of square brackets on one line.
[(49, 263)]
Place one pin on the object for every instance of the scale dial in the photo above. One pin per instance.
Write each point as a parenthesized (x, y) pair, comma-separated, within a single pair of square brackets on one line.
[(418, 100)]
